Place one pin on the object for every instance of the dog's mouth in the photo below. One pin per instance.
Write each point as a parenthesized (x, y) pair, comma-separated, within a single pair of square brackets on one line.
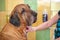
[(35, 19)]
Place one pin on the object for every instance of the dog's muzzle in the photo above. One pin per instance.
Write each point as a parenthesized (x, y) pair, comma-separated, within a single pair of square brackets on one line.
[(34, 15)]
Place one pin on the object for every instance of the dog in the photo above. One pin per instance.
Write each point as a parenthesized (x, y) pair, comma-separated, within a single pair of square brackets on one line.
[(21, 17)]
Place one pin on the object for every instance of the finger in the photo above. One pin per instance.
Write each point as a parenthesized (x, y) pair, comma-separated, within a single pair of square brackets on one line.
[(27, 31)]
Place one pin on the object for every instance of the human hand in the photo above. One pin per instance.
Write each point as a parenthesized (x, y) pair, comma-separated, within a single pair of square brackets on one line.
[(30, 29)]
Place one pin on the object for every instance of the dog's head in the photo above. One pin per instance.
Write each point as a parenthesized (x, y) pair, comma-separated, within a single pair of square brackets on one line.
[(21, 14)]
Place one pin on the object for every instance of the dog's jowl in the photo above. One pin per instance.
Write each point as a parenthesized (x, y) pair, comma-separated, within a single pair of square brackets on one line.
[(21, 16)]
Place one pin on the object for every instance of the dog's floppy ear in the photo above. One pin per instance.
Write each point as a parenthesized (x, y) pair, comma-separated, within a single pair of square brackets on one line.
[(14, 19), (28, 5)]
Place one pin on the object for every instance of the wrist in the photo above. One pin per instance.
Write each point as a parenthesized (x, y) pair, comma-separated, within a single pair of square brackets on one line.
[(34, 29)]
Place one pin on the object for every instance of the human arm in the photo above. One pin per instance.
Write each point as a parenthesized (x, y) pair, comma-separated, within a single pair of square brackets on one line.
[(45, 25)]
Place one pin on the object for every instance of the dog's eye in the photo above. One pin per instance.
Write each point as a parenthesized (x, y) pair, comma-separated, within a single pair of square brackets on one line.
[(23, 10)]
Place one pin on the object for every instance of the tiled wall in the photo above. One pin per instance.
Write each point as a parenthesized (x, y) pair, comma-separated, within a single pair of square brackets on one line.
[(41, 6), (2, 5), (2, 14)]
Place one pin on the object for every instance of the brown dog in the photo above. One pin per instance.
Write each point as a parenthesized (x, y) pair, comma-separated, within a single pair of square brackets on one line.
[(15, 29)]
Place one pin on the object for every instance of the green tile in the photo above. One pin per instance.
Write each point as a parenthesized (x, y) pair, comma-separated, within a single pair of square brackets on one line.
[(32, 4), (2, 5), (43, 35)]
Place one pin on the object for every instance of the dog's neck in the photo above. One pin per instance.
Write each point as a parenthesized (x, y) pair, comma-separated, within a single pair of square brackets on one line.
[(21, 29)]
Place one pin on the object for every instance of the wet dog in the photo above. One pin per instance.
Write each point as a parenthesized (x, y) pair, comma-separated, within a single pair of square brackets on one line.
[(21, 17)]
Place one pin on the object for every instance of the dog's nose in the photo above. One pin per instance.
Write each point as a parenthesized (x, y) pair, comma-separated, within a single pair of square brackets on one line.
[(34, 13)]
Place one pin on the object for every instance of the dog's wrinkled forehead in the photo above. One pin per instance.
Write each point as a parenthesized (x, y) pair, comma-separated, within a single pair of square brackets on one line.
[(22, 7)]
